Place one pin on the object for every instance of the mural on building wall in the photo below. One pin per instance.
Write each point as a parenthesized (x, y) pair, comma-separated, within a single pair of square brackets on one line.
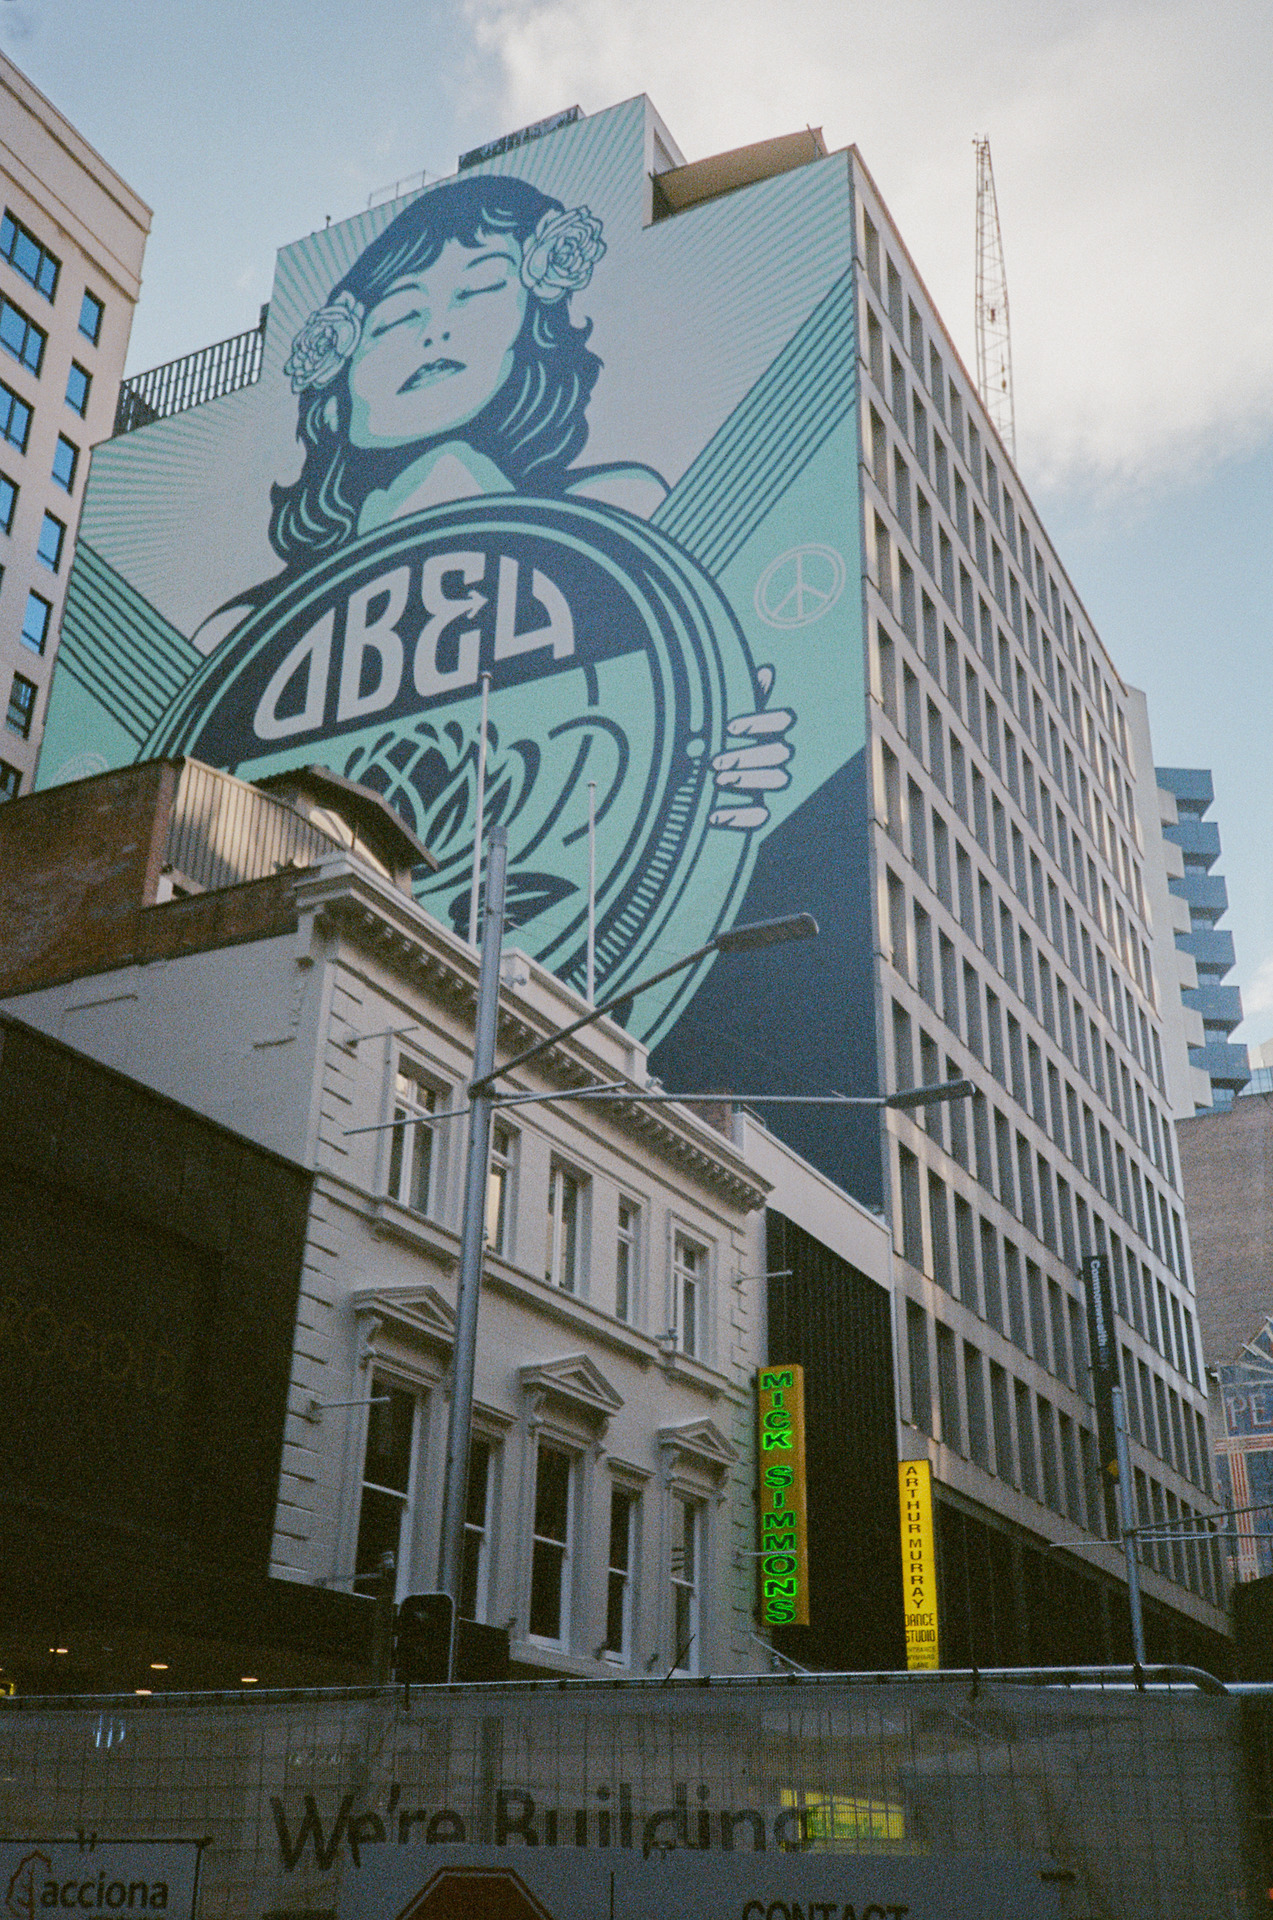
[(510, 428)]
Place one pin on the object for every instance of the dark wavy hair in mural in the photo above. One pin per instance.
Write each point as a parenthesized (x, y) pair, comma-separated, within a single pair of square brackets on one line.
[(532, 428)]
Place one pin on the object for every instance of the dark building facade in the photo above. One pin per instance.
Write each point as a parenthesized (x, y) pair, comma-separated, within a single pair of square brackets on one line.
[(829, 1318), (149, 1266)]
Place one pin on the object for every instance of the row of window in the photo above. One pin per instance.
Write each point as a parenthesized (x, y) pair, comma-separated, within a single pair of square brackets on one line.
[(25, 343), (41, 269), (980, 1017), (15, 429), (1026, 1070), (974, 611), (1013, 767), (989, 1416), (1037, 1194), (52, 539), (1014, 682), (950, 406), (988, 1273), (387, 1525), (1022, 965), (944, 755), (1105, 808), (413, 1181)]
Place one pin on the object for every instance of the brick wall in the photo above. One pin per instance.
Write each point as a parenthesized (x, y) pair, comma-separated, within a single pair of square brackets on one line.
[(1226, 1165), (79, 870)]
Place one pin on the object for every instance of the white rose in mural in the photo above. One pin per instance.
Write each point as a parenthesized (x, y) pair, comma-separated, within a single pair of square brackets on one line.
[(561, 253), (324, 343)]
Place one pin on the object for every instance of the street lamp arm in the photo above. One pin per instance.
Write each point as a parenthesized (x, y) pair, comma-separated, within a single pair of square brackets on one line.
[(626, 1090), (760, 933), (930, 1096)]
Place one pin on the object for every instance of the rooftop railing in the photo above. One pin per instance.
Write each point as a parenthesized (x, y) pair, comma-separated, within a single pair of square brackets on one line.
[(198, 377)]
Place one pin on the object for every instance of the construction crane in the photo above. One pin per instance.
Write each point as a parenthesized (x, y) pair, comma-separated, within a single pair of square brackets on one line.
[(994, 340)]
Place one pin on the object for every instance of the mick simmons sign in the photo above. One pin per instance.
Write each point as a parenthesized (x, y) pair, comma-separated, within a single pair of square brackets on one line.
[(100, 1878), (507, 428), (783, 1508)]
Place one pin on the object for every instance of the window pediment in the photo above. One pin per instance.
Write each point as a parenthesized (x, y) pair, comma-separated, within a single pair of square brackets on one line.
[(418, 1315), (698, 1445), (576, 1384)]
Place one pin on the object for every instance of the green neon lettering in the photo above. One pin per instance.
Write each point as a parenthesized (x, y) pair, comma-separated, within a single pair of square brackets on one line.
[(778, 1476), (772, 1440), (770, 1381)]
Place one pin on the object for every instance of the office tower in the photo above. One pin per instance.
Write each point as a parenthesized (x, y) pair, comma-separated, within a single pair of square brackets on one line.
[(72, 234)]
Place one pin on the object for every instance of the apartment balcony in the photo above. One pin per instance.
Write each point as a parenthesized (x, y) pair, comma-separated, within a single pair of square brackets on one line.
[(1211, 947), (1220, 1007), (1225, 1064), (1206, 893), (1198, 840), (1191, 788)]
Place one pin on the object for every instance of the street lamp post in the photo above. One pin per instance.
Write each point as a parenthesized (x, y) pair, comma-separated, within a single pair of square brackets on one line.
[(1130, 1546), (460, 1420)]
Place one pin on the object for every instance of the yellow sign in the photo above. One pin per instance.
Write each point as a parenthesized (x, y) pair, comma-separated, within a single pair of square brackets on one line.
[(919, 1563), (784, 1537)]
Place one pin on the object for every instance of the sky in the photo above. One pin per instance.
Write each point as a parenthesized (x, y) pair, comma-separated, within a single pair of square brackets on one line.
[(1133, 156)]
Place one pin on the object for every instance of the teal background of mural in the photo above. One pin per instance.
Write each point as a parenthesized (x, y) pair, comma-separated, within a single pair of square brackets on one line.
[(727, 338)]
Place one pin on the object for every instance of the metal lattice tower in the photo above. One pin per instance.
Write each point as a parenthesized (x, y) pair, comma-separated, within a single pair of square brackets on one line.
[(994, 340)]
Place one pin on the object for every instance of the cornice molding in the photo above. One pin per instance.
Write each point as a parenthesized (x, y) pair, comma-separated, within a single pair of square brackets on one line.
[(348, 899)]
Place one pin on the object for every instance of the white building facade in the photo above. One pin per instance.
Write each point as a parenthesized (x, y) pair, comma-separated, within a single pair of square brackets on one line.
[(1017, 914)]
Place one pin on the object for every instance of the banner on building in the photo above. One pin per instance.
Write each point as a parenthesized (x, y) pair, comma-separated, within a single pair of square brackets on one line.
[(1102, 1345), (513, 425), (784, 1520), (919, 1564), (1244, 1456), (544, 1883)]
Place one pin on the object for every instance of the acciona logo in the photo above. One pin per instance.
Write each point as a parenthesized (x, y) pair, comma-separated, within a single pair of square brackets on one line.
[(85, 1876), (33, 1884)]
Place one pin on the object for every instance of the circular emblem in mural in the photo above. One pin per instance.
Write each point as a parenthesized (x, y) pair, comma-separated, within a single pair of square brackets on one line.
[(613, 659), (800, 586), (81, 766)]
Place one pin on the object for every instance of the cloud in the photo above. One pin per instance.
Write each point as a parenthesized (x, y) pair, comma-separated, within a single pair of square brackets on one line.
[(17, 24), (1133, 154)]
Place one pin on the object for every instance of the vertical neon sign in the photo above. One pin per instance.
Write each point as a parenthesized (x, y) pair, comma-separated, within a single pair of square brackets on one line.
[(784, 1537), (919, 1564)]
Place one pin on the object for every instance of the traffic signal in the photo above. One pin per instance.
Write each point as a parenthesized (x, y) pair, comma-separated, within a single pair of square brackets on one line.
[(422, 1639)]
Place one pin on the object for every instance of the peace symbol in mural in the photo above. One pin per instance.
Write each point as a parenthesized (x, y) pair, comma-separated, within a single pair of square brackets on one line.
[(800, 586)]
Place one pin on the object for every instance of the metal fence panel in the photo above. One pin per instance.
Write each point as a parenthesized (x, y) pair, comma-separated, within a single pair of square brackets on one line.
[(1136, 1799)]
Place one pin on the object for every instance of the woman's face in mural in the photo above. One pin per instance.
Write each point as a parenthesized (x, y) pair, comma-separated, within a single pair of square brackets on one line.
[(439, 346)]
